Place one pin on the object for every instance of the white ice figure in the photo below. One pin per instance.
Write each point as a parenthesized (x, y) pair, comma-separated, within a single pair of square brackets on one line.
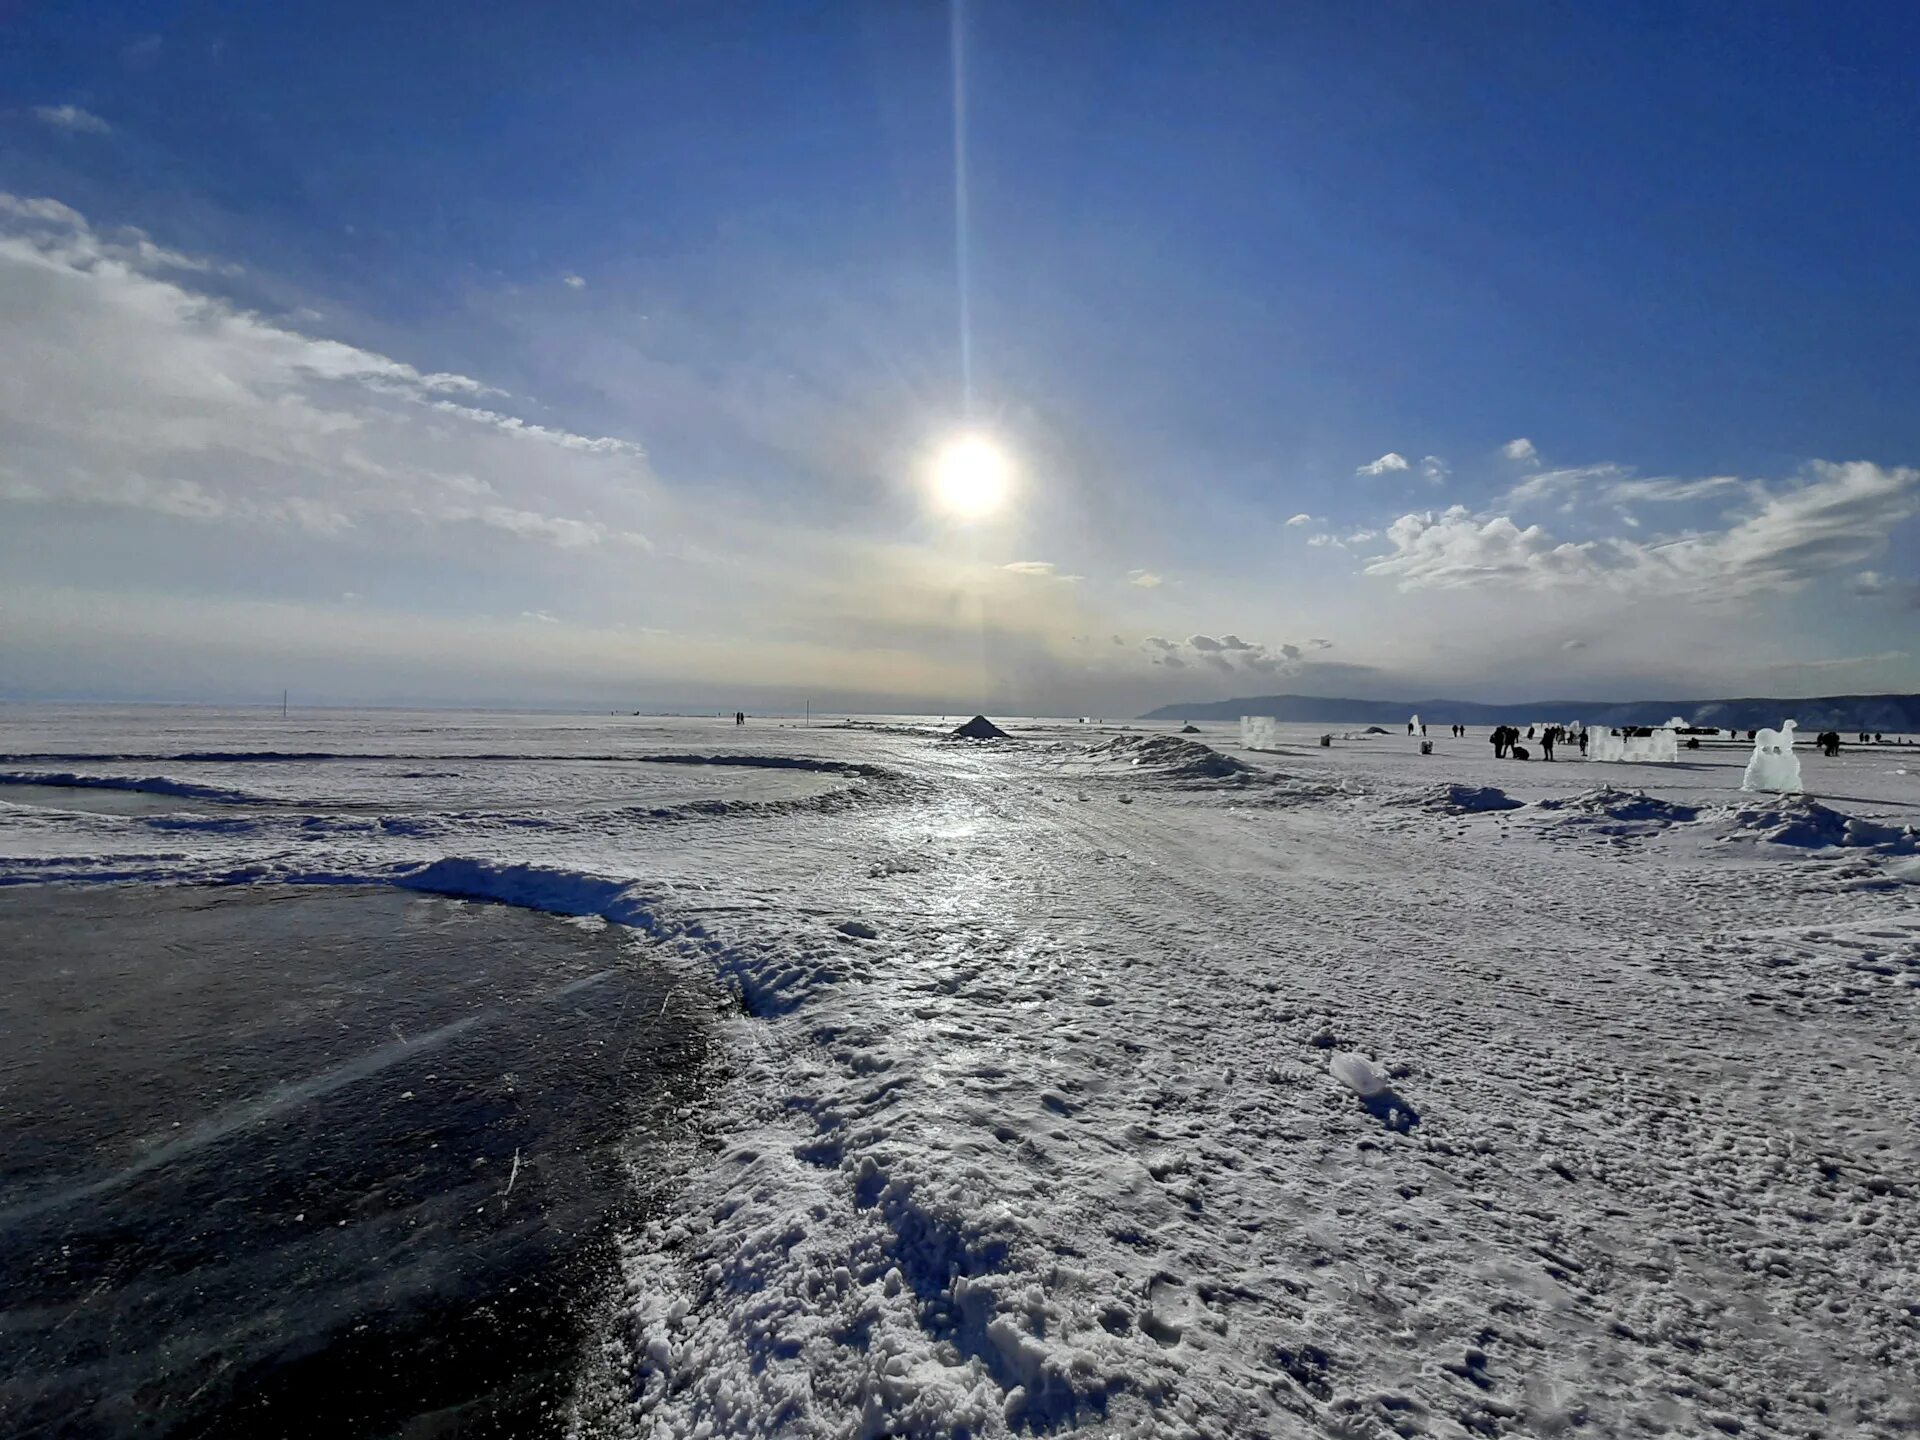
[(1774, 766), (1661, 747), (1413, 726), (1259, 732)]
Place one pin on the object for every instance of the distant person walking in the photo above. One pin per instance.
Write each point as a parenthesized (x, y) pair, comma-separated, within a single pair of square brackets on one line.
[(1583, 744), (1547, 737), (739, 717)]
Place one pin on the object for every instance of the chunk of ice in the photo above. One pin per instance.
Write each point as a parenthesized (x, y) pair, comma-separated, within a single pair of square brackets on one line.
[(1357, 1073)]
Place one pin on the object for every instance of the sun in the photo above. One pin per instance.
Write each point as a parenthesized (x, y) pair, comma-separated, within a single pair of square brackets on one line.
[(971, 476)]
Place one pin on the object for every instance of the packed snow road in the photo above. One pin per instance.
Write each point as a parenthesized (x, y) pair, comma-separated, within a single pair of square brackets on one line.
[(1091, 1083)]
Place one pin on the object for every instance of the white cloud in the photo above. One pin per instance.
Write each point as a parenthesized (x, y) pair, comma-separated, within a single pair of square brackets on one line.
[(1434, 470), (1361, 537), (1835, 517), (147, 395), (1204, 642), (1301, 519), (1321, 540), (1871, 582), (72, 119), (1521, 449), (573, 282), (1573, 644), (542, 616), (1145, 579), (1387, 462), (1040, 570), (1455, 549)]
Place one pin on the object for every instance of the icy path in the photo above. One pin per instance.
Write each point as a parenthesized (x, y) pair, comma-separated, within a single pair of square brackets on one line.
[(1060, 1146), (1033, 1123)]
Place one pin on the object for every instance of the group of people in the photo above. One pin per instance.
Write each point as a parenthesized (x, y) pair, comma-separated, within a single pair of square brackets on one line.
[(739, 717), (1506, 740)]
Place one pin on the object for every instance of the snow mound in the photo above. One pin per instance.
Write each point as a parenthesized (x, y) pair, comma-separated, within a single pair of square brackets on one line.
[(979, 728), (533, 887), (1456, 799), (1174, 758), (1808, 825), (145, 785), (1611, 802)]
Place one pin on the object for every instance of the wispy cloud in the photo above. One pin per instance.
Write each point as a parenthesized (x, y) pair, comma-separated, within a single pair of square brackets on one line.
[(1434, 470), (1842, 662), (1832, 519), (1145, 579), (1667, 489), (72, 119), (1301, 519), (1572, 483), (1521, 449)]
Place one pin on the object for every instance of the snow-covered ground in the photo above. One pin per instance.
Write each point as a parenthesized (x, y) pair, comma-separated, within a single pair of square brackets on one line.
[(1090, 1081)]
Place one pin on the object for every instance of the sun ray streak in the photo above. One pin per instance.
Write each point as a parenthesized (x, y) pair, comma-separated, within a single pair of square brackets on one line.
[(962, 256)]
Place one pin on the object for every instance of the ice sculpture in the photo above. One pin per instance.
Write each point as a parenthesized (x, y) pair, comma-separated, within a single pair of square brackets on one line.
[(1660, 747), (1774, 766), (1259, 732)]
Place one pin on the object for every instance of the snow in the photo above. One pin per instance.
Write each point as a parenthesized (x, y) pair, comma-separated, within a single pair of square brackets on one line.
[(1327, 1091)]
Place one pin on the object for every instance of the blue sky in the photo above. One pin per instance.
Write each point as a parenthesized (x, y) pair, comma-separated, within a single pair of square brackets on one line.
[(599, 353)]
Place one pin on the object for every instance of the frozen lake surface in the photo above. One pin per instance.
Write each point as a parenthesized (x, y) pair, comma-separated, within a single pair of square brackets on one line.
[(1110, 1081), (316, 1161)]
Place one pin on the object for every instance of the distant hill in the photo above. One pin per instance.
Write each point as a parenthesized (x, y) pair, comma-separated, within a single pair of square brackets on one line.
[(1892, 714)]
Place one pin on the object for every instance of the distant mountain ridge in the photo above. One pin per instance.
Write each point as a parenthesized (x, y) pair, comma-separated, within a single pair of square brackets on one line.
[(1893, 714)]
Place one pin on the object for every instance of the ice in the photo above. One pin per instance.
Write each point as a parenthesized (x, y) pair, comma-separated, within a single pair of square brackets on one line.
[(1259, 732), (1661, 747), (1774, 766), (1357, 1073)]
